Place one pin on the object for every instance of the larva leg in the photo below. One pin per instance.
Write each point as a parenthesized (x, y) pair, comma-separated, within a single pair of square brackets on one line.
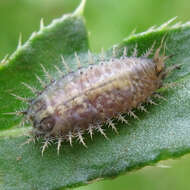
[(59, 145), (157, 95), (80, 138), (31, 139), (111, 124), (122, 119), (90, 131), (70, 137), (45, 145), (132, 114), (99, 128), (150, 101), (142, 108)]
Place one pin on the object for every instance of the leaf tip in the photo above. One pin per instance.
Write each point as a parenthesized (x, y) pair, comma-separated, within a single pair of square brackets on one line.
[(4, 60), (167, 23), (80, 9), (41, 24), (19, 41)]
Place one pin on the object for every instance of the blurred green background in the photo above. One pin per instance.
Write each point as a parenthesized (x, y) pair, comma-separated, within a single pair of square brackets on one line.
[(108, 22)]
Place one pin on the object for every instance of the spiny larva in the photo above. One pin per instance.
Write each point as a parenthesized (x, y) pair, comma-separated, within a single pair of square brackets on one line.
[(85, 100)]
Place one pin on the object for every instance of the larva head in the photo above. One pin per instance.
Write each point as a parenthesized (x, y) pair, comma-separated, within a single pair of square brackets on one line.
[(42, 120)]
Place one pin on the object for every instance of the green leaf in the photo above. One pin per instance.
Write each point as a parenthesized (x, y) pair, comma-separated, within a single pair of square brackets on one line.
[(160, 134)]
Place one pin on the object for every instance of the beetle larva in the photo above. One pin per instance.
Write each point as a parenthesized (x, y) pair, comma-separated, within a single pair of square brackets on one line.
[(84, 100)]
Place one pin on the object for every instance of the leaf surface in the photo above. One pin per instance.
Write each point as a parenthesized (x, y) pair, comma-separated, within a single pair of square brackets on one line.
[(160, 134)]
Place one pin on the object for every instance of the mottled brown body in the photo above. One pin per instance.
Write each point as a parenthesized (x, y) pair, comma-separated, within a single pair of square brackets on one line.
[(93, 95), (85, 100)]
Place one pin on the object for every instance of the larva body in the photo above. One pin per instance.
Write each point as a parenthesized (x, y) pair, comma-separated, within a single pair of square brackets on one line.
[(93, 96), (85, 100)]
